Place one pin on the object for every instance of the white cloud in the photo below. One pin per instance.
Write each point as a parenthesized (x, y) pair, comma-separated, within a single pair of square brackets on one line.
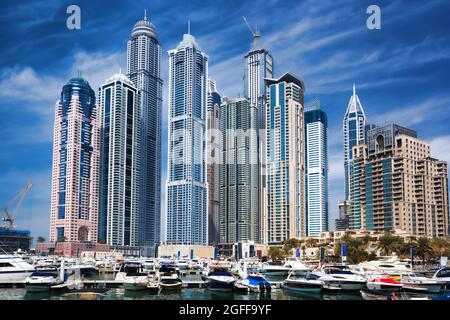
[(416, 113), (440, 148)]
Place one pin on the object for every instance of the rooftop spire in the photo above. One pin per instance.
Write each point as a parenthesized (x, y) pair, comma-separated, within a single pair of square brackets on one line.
[(354, 89), (145, 14), (189, 26)]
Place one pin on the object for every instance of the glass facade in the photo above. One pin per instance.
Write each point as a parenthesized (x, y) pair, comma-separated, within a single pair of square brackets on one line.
[(187, 216)]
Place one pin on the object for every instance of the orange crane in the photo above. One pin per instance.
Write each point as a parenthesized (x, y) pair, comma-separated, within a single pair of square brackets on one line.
[(17, 201)]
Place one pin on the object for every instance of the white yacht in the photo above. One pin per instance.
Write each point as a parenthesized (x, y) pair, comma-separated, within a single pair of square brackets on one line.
[(388, 265), (41, 281), (133, 276), (14, 269), (303, 282), (296, 265), (274, 269), (340, 277), (443, 276)]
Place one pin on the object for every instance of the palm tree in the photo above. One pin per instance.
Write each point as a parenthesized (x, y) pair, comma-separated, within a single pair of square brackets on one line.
[(423, 248), (439, 246), (311, 243), (387, 243), (275, 253)]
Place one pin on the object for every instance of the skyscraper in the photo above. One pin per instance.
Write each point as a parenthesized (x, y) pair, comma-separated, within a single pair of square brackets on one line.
[(144, 68), (285, 181), (396, 184), (316, 164), (75, 172), (239, 196), (120, 162), (258, 67), (187, 217), (213, 164), (342, 223), (354, 128)]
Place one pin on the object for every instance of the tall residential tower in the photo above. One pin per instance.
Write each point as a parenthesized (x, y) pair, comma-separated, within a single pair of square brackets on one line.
[(239, 196), (120, 162), (285, 181), (187, 216), (354, 128), (213, 164), (144, 68), (75, 173), (316, 164)]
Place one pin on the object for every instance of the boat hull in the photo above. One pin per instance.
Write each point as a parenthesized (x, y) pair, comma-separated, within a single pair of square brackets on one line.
[(43, 287), (7, 277), (302, 287), (218, 285), (343, 285)]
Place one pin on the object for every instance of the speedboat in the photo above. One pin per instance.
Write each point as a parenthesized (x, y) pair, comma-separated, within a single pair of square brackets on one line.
[(340, 277), (274, 269), (134, 278), (42, 281), (256, 282), (303, 282), (169, 278), (443, 277), (83, 269), (14, 269), (383, 284), (220, 278), (413, 282)]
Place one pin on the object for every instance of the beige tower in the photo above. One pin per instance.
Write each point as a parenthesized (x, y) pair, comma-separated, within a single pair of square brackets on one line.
[(75, 174), (396, 184)]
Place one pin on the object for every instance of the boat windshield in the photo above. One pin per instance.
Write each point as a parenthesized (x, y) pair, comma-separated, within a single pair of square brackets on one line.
[(337, 271), (444, 273), (303, 275)]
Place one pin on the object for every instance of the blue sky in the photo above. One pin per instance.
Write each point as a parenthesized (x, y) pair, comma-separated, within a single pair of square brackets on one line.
[(402, 72)]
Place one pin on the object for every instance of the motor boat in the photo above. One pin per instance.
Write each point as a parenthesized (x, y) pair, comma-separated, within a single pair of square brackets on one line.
[(42, 281), (340, 277), (133, 276), (149, 264), (296, 265), (183, 264), (219, 277), (301, 282), (388, 265), (169, 278), (413, 282), (443, 277), (274, 270), (255, 282), (83, 269), (383, 284), (14, 269)]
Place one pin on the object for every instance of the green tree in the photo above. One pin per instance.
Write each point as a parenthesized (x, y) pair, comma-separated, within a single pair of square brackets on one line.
[(423, 248), (276, 253), (387, 243), (290, 244), (40, 239)]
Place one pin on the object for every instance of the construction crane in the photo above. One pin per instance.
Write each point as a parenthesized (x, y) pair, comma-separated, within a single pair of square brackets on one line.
[(256, 34), (17, 201)]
